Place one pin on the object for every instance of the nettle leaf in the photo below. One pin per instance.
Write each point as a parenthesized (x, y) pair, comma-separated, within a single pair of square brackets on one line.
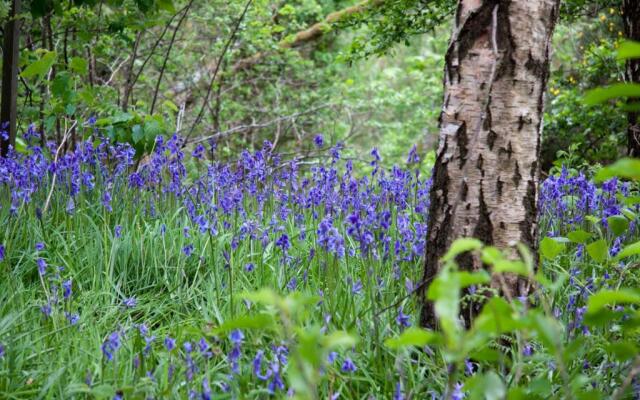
[(600, 95), (462, 246), (339, 339), (548, 329), (604, 298), (473, 278), (624, 168), (413, 337), (622, 351), (579, 236), (630, 250), (550, 247), (618, 224), (598, 250), (628, 49), (496, 317), (487, 386), (514, 267), (40, 67)]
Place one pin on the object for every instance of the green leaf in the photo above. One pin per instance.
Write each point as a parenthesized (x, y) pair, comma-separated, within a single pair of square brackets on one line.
[(550, 247), (618, 224), (628, 49), (170, 105), (137, 133), (262, 296), (486, 387), (598, 250), (40, 67), (258, 321), (579, 236), (412, 337), (339, 339), (628, 168), (622, 351), (78, 65), (630, 250), (462, 246), (604, 298), (600, 95), (166, 5), (473, 278), (514, 267), (496, 317)]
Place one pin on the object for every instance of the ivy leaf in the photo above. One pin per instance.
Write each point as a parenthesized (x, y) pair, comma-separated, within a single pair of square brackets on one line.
[(41, 66), (551, 247), (598, 250)]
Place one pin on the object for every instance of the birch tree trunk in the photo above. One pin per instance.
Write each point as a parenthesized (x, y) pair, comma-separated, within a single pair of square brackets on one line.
[(485, 179), (11, 53), (631, 15)]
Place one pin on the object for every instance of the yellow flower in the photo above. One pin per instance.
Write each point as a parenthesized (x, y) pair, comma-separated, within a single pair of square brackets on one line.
[(612, 11), (603, 17)]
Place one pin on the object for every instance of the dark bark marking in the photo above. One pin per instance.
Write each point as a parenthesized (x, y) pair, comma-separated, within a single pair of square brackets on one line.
[(462, 142), (527, 234), (517, 177), (491, 138), (499, 186), (484, 228)]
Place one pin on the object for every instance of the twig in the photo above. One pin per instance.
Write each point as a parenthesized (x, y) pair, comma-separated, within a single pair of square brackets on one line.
[(55, 161), (217, 69), (166, 56)]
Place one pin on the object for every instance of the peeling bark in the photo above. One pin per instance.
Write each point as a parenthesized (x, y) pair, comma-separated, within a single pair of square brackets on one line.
[(497, 66), (631, 14)]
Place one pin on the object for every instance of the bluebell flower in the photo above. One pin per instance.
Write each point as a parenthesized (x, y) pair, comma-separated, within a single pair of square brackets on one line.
[(188, 250), (118, 231), (398, 394), (458, 394), (318, 140), (348, 365), (111, 345), (249, 267), (257, 367), (2, 252), (39, 246), (130, 302), (169, 343), (402, 319), (2, 351), (66, 289), (42, 266), (72, 318), (46, 309)]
